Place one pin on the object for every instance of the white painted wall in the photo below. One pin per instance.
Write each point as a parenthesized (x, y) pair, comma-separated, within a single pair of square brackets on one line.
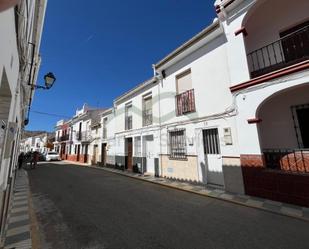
[(277, 127)]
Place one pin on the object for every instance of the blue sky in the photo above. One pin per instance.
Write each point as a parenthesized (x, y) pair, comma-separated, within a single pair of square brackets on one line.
[(100, 50)]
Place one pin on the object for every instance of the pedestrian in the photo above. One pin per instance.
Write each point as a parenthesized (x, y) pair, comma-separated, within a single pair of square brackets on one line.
[(35, 159), (20, 160)]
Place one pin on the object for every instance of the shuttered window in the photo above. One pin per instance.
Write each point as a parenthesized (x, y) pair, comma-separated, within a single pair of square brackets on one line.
[(184, 82)]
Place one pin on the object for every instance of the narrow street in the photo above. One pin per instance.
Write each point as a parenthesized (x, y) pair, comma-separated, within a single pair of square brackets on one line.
[(83, 208)]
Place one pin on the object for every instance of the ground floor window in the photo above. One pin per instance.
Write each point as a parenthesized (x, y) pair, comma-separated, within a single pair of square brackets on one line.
[(177, 144)]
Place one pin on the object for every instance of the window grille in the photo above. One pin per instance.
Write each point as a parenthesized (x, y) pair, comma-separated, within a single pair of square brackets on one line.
[(211, 141), (177, 144), (147, 111)]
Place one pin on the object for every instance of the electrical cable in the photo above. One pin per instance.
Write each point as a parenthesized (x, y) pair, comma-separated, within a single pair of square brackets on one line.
[(49, 114)]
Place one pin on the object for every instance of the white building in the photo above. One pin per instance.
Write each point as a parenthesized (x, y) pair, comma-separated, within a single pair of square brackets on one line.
[(21, 30), (137, 138), (228, 108), (41, 143)]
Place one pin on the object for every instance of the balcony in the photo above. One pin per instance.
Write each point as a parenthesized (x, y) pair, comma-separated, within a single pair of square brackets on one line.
[(128, 123), (185, 102), (65, 138), (290, 49), (86, 136), (78, 135), (147, 117)]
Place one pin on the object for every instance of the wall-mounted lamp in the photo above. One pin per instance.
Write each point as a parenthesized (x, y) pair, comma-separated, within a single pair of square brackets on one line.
[(49, 82)]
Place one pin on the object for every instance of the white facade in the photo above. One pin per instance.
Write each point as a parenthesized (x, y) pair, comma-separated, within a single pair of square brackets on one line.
[(16, 68), (36, 143), (220, 102)]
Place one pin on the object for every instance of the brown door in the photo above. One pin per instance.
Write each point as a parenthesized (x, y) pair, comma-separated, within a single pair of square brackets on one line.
[(103, 154), (129, 154), (86, 154), (94, 156), (78, 152)]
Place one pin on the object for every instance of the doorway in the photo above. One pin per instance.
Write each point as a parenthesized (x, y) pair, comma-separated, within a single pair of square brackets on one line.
[(78, 153), (95, 154), (129, 154), (149, 154), (213, 158), (103, 154)]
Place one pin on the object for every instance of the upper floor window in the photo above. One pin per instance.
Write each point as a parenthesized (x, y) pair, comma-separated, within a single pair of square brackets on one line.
[(105, 128), (185, 100), (147, 110), (128, 116)]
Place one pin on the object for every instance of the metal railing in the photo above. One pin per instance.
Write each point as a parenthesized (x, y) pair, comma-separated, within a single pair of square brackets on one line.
[(288, 50), (293, 160), (185, 102), (65, 138), (128, 122), (147, 117), (86, 136), (78, 135)]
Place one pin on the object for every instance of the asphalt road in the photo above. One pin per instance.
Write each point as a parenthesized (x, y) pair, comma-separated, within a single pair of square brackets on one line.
[(83, 208)]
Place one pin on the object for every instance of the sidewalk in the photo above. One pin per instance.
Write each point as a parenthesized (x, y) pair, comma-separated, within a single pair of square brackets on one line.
[(18, 225), (244, 200)]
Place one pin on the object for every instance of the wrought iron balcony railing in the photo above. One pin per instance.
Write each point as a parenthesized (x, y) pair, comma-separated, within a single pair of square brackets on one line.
[(147, 117), (185, 102), (78, 135), (65, 138), (288, 50), (86, 136)]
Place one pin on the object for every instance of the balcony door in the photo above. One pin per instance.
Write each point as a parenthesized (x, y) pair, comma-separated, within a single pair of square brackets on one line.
[(295, 42)]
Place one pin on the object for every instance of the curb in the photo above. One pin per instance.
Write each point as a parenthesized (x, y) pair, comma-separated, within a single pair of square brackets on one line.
[(195, 192)]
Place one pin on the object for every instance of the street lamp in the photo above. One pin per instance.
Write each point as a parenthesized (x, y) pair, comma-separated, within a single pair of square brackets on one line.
[(49, 82), (49, 79)]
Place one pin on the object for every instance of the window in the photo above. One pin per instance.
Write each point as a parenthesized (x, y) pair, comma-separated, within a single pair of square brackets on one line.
[(128, 117), (185, 100), (184, 82), (211, 142), (137, 147), (147, 110), (105, 128), (177, 144)]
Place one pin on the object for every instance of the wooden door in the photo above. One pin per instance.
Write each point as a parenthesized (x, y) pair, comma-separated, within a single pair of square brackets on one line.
[(103, 154)]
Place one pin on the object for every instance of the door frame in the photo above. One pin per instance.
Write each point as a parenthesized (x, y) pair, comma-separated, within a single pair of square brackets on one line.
[(206, 155)]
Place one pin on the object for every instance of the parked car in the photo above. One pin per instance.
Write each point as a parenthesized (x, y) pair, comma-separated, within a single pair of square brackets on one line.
[(52, 156)]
